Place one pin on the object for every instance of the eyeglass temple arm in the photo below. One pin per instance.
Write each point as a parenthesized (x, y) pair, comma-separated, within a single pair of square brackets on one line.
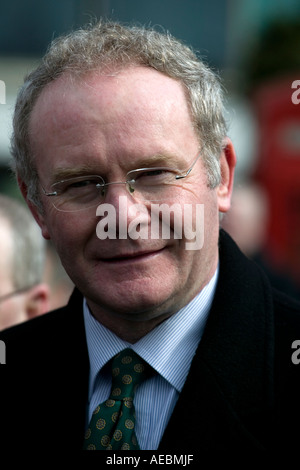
[(16, 292), (179, 177)]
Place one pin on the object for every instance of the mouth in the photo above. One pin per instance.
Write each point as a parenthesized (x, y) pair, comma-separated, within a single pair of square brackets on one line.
[(132, 257)]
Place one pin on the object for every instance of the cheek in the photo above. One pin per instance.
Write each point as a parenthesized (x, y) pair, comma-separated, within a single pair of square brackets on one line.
[(201, 212), (201, 226), (12, 312), (70, 232)]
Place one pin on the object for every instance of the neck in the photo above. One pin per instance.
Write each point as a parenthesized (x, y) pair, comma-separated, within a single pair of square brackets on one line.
[(129, 330)]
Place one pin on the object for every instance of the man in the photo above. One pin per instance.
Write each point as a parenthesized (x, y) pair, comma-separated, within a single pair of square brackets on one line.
[(23, 294), (115, 127)]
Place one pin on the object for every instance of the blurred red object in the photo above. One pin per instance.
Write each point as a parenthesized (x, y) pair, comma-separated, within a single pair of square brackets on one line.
[(278, 168)]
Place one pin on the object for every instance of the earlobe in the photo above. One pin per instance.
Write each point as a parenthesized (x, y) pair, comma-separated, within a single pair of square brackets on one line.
[(34, 210), (227, 166)]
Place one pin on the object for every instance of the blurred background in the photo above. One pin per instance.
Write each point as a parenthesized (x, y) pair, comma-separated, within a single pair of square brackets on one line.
[(254, 45)]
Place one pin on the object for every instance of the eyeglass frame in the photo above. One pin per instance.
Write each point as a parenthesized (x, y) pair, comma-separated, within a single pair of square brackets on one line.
[(177, 177)]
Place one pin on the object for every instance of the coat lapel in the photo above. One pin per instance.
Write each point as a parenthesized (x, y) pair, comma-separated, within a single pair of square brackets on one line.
[(229, 388), (75, 371)]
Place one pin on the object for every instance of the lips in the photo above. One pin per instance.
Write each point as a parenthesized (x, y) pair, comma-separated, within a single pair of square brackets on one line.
[(137, 256)]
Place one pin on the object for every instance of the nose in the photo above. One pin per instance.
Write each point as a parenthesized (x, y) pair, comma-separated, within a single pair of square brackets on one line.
[(131, 216), (114, 191)]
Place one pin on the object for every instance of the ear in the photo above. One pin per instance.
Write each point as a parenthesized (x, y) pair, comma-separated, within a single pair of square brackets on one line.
[(227, 166), (37, 301), (36, 212)]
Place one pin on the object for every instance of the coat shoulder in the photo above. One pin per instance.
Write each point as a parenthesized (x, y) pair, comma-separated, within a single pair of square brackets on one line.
[(36, 338)]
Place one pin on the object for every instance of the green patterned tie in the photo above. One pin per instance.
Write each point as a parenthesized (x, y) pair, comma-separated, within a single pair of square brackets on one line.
[(113, 422)]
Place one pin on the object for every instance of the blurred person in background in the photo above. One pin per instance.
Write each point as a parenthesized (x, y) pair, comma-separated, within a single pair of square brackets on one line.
[(55, 276), (247, 223), (23, 292)]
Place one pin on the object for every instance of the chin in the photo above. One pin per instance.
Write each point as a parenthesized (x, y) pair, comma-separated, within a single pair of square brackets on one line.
[(133, 300)]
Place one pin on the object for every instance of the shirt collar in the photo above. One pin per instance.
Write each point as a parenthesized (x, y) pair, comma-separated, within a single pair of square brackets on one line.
[(169, 348)]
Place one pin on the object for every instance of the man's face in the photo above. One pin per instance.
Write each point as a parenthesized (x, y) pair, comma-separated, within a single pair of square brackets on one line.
[(108, 125)]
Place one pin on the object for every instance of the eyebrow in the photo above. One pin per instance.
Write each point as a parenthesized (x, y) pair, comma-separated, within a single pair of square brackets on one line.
[(159, 159), (62, 173)]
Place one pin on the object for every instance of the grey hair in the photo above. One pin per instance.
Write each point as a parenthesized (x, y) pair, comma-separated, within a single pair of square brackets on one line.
[(107, 45), (28, 247)]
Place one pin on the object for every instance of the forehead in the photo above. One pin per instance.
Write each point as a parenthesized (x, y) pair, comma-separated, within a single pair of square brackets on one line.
[(138, 87), (112, 119)]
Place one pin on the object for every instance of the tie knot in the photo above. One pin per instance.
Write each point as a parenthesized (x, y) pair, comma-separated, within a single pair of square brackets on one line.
[(128, 371)]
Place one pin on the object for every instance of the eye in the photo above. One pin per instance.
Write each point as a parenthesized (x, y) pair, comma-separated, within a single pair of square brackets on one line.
[(153, 175), (78, 185), (155, 172), (81, 184)]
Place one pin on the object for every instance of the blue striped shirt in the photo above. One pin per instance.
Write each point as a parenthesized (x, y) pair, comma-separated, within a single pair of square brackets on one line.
[(169, 349)]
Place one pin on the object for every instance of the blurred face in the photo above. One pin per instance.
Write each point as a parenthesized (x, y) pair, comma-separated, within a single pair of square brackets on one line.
[(12, 309), (109, 125)]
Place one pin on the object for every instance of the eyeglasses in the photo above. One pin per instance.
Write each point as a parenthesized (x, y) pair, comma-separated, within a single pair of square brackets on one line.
[(145, 184), (12, 294)]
